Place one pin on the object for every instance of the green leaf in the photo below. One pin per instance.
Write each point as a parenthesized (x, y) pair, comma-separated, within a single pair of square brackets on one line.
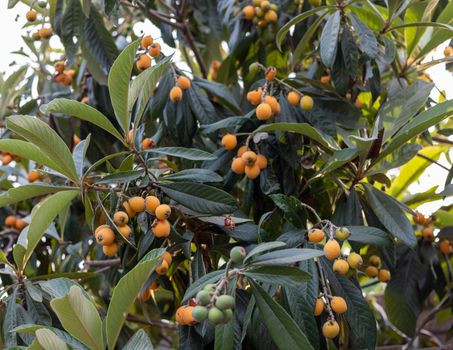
[(441, 26), (394, 160), (402, 106), (49, 340), (295, 20), (121, 177), (391, 215), (283, 275), (79, 317), (9, 88), (201, 106), (83, 112), (195, 287), (142, 88), (200, 198), (194, 175), (59, 287), (139, 341), (284, 331), (292, 209), (303, 129), (126, 291), (21, 193), (368, 235), (182, 152), (264, 247), (367, 40), (226, 123), (417, 125), (42, 216), (339, 158), (222, 92), (46, 139), (118, 82), (286, 256), (329, 39)]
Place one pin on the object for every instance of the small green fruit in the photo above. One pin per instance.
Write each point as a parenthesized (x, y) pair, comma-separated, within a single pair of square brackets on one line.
[(203, 297), (254, 68), (224, 302), (200, 313), (342, 233), (215, 316), (237, 254), (42, 4), (210, 288), (314, 2), (228, 314)]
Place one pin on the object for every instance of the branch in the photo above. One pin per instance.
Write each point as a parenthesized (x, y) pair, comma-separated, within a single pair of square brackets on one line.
[(152, 322), (103, 263), (432, 161)]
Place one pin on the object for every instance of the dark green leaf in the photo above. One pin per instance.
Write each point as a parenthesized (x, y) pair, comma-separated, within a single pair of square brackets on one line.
[(194, 175), (283, 275), (367, 40), (186, 153), (329, 39), (286, 256)]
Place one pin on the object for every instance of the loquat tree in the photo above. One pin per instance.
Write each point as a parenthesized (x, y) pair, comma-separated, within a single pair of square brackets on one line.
[(235, 177)]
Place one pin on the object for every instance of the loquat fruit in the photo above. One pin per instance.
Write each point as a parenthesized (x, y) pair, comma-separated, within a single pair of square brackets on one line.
[(110, 250), (263, 111), (261, 161), (242, 150), (272, 101), (270, 16), (75, 139), (249, 157), (215, 316), (252, 171), (100, 227), (146, 41), (238, 166), (371, 271), (306, 102), (200, 313), (271, 73), (163, 212), (6, 159), (254, 96), (314, 2), (203, 298), (129, 211), (445, 247), (126, 231), (175, 94), (254, 68), (229, 141), (144, 296), (162, 268), (161, 228), (428, 233), (154, 50), (332, 249), (85, 100), (384, 275), (375, 261), (105, 236), (342, 233), (35, 36), (183, 82), (237, 254), (31, 16), (338, 304), (10, 221), (143, 62), (315, 235), (341, 267), (59, 66), (187, 316), (293, 98), (248, 12), (448, 51), (33, 176), (148, 143), (319, 307), (167, 257), (325, 79), (45, 33), (151, 203), (137, 204), (224, 302), (330, 329), (120, 218), (355, 261), (20, 224)]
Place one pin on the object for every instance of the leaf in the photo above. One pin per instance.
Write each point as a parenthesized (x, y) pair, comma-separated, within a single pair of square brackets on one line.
[(329, 39), (201, 106), (79, 317), (264, 247), (417, 125), (195, 287), (223, 124), (222, 92), (42, 216), (283, 31), (368, 235), (423, 24), (72, 18), (121, 177), (286, 256), (126, 291), (182, 152), (79, 154), (397, 111), (118, 83), (292, 209), (303, 129), (339, 158), (194, 175), (9, 319), (283, 275), (199, 197), (21, 193), (83, 112), (59, 287), (367, 40), (139, 341), (46, 139), (391, 215), (394, 160), (284, 331), (49, 341)]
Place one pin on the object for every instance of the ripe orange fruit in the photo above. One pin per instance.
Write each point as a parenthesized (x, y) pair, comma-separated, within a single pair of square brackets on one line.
[(254, 97), (445, 247), (371, 271), (270, 16), (261, 161), (330, 329), (448, 51), (145, 295), (355, 260), (249, 157), (33, 176), (154, 50), (229, 141), (325, 79), (20, 224), (45, 33), (110, 250), (249, 12), (6, 159), (35, 36), (143, 62), (148, 143), (315, 235), (167, 257), (162, 268), (183, 82), (418, 218), (319, 307), (272, 101), (306, 102), (338, 305), (341, 267), (59, 66), (120, 218), (126, 231), (85, 100), (151, 203), (75, 140), (375, 261), (252, 171), (161, 228), (293, 98), (31, 16), (10, 221), (163, 212), (137, 204), (187, 316), (242, 150), (105, 236), (263, 111), (175, 94), (271, 72), (332, 249), (384, 275), (238, 166), (129, 211), (428, 233), (146, 41)]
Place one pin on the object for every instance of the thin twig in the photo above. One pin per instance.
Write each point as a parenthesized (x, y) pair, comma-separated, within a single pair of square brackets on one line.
[(432, 161)]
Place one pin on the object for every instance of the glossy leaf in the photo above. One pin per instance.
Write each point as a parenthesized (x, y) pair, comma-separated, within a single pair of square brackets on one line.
[(186, 153), (285, 256), (329, 39), (139, 341), (282, 275)]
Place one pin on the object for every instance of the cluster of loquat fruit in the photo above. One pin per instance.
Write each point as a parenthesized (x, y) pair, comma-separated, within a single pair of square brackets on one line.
[(208, 304), (182, 83), (106, 237), (267, 106), (261, 12), (31, 16), (8, 157), (15, 222), (62, 75), (214, 70), (445, 245), (152, 51), (246, 161)]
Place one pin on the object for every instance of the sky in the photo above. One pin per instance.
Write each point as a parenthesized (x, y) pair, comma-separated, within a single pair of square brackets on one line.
[(11, 22)]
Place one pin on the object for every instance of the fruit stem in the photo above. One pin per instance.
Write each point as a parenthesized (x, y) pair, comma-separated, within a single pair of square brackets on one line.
[(326, 289)]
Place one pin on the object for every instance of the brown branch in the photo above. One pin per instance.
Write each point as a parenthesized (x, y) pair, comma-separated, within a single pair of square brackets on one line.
[(103, 263), (442, 140), (432, 161), (152, 322)]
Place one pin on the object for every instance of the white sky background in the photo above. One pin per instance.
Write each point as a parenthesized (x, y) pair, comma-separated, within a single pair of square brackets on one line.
[(11, 40)]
